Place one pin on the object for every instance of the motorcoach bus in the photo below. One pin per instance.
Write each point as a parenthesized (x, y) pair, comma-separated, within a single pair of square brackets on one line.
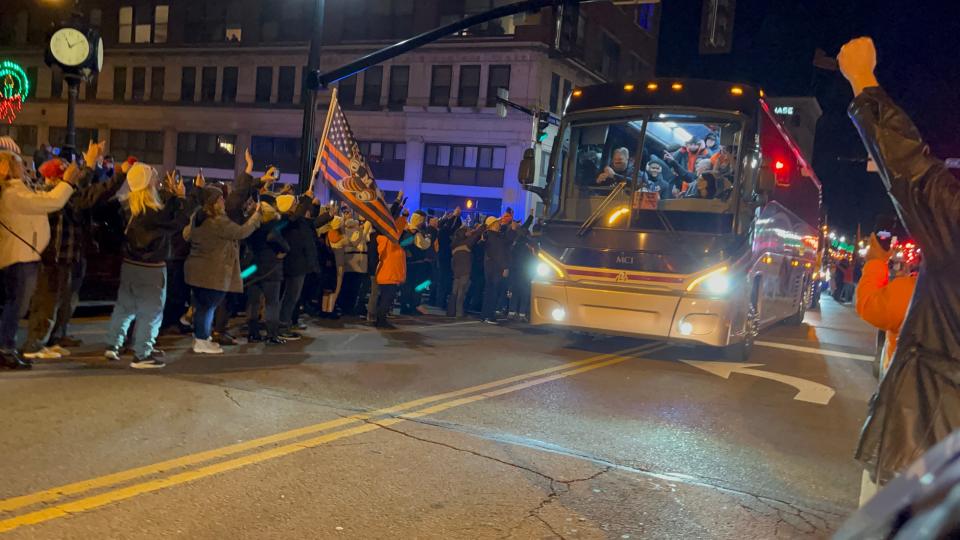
[(679, 210)]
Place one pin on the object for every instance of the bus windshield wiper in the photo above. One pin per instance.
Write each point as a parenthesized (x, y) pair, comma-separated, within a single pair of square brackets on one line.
[(588, 223)]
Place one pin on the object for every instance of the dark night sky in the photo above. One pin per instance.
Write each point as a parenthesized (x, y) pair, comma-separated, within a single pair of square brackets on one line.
[(918, 42)]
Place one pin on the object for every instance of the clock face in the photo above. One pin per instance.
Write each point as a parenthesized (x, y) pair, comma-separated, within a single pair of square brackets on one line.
[(69, 46), (100, 55)]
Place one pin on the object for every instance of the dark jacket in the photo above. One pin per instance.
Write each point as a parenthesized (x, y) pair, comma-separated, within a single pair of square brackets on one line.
[(448, 225), (147, 236), (463, 243), (214, 260), (267, 251), (67, 227), (918, 402), (299, 232), (496, 252)]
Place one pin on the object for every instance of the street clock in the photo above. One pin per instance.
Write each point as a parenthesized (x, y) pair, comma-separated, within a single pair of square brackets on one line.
[(75, 49)]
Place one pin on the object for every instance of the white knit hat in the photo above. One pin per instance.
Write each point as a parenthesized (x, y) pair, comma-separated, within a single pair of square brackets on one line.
[(140, 176), (7, 143), (490, 221)]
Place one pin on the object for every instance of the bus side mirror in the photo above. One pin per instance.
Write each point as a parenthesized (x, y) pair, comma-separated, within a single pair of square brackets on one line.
[(767, 181), (527, 165)]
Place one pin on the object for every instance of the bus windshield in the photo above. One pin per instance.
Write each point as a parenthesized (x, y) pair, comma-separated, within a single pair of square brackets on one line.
[(661, 171)]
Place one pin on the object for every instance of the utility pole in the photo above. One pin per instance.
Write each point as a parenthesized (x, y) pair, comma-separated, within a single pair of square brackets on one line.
[(308, 96)]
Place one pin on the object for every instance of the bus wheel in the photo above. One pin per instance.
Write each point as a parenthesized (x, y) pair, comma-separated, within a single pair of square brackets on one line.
[(740, 352), (797, 318)]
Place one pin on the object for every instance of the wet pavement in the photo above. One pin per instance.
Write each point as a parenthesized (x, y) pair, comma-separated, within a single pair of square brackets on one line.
[(441, 429)]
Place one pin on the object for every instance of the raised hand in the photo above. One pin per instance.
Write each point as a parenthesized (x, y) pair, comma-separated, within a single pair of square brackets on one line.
[(249, 159), (94, 153), (71, 174), (857, 60), (271, 175), (199, 181)]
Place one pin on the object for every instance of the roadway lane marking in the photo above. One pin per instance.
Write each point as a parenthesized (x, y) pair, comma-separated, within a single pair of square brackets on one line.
[(127, 492), (814, 350), (809, 391), (77, 488)]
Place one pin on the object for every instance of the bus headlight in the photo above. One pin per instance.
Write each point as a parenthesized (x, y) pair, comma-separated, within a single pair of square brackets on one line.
[(558, 314), (716, 282), (547, 268)]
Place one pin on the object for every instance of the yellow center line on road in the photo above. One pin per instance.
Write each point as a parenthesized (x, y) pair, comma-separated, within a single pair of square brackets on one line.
[(77, 488), (96, 501)]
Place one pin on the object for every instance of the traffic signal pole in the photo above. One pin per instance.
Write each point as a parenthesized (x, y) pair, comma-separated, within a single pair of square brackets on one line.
[(308, 96)]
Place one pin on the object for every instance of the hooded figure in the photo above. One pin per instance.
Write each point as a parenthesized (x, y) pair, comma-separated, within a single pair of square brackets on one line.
[(918, 402)]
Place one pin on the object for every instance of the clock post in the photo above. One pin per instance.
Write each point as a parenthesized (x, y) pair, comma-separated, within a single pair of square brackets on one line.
[(73, 91)]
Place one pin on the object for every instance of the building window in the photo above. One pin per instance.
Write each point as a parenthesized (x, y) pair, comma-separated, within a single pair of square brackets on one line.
[(229, 92), (188, 84), (476, 206), (347, 91), (206, 21), (96, 17), (399, 83), (208, 84), (21, 27), (499, 77), (440, 82), (610, 63), (206, 150), (138, 90), (464, 165), (234, 33), (26, 137), (161, 18), (372, 86), (156, 83), (82, 136), (387, 159), (93, 84), (555, 93), (469, 92), (56, 83), (645, 16), (119, 83), (282, 152), (287, 20), (285, 83), (264, 84), (147, 146), (126, 25)]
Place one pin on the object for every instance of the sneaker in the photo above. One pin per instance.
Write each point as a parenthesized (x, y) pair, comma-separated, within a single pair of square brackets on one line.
[(147, 363), (491, 321), (43, 354), (224, 339), (112, 353), (12, 360), (157, 353), (69, 341), (290, 336), (275, 340), (187, 318), (203, 346), (254, 338), (59, 350)]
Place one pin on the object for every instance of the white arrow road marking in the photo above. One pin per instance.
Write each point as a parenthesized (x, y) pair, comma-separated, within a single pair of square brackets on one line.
[(809, 391), (814, 350)]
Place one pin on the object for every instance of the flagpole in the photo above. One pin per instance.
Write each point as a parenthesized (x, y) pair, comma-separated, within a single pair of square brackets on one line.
[(323, 139)]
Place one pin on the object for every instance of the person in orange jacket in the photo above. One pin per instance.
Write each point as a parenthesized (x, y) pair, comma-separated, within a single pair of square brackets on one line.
[(883, 302), (391, 273)]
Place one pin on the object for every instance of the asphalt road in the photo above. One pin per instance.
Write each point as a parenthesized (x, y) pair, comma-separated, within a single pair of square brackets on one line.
[(441, 429)]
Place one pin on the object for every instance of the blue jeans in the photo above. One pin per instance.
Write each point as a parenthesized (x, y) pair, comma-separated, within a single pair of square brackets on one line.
[(269, 291), (205, 302), (19, 282), (140, 297)]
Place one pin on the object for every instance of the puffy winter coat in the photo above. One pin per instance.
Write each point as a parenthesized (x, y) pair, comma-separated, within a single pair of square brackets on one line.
[(24, 227), (918, 402), (214, 260)]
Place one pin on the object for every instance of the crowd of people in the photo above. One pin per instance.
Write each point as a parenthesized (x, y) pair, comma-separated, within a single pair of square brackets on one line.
[(197, 254)]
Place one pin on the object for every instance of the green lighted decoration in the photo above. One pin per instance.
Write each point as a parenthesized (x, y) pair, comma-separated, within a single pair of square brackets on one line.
[(14, 89)]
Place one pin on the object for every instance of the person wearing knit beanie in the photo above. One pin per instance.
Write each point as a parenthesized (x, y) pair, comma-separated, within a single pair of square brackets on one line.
[(7, 143)]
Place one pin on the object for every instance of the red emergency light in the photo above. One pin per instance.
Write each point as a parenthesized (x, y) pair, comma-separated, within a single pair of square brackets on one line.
[(779, 165)]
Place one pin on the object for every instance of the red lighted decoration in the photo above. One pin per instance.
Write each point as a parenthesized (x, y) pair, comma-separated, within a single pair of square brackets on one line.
[(14, 89)]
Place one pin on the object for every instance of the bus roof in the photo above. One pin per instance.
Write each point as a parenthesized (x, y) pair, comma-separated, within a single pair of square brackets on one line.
[(667, 92)]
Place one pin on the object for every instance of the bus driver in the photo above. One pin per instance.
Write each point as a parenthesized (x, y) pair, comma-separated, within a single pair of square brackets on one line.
[(619, 170)]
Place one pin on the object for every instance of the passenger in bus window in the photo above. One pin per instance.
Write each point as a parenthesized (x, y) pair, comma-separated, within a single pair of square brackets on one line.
[(688, 155), (711, 145), (685, 178), (652, 180), (620, 168), (704, 188)]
